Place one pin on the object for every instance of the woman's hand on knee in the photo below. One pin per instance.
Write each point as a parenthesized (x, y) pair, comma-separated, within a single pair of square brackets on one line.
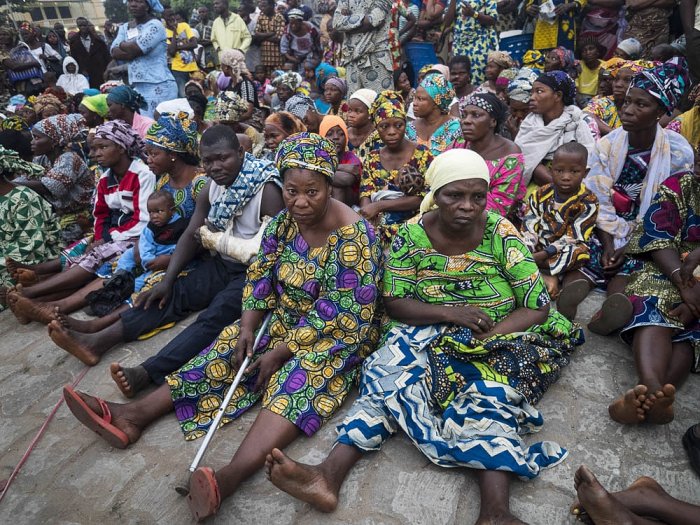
[(268, 364), (691, 298), (471, 317), (244, 346)]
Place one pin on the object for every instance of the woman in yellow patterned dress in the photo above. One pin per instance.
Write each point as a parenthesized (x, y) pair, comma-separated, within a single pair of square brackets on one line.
[(318, 271)]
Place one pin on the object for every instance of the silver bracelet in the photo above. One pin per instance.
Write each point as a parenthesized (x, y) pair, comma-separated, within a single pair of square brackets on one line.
[(670, 277)]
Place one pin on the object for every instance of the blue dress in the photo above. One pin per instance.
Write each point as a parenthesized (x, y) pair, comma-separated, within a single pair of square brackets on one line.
[(149, 74)]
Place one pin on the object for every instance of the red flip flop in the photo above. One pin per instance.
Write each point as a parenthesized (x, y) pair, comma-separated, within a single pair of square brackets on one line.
[(204, 498), (101, 425)]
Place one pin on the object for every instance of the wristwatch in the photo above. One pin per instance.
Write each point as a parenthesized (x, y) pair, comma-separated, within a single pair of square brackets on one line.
[(475, 16)]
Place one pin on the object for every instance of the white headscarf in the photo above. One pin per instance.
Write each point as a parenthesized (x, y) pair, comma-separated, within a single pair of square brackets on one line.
[(451, 166), (174, 107), (364, 95), (72, 83)]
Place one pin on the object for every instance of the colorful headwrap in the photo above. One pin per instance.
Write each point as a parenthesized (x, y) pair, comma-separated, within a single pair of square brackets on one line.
[(235, 59), (299, 105), (637, 66), (331, 121), (501, 58), (176, 133), (533, 59), (14, 123), (127, 96), (451, 166), (506, 76), (614, 65), (289, 79), (425, 70), (91, 92), (295, 13), (61, 129), (96, 104), (110, 85), (57, 92), (339, 84), (440, 90), (560, 81), (388, 104), (324, 71), (520, 88), (122, 135), (289, 125), (307, 151), (44, 102), (666, 82), (488, 102), (230, 106), (364, 95), (566, 59), (12, 163)]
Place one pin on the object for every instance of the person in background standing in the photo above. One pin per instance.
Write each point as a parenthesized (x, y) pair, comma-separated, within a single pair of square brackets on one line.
[(268, 32), (90, 52), (690, 16), (228, 31), (211, 60), (249, 13), (647, 21), (61, 32), (110, 32), (181, 44)]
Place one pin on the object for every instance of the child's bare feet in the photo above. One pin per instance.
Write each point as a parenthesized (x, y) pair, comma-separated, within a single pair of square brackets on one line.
[(629, 408), (661, 412)]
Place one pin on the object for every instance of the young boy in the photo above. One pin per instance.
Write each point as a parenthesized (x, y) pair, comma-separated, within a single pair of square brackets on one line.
[(560, 220)]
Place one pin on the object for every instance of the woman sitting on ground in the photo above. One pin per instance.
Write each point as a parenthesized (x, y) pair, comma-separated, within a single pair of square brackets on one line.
[(483, 114), (665, 328), (626, 170), (94, 110), (231, 110), (120, 215), (554, 120), (67, 183), (29, 229), (278, 127), (433, 126), (346, 181), (125, 103), (238, 81), (323, 326), (454, 370), (383, 198)]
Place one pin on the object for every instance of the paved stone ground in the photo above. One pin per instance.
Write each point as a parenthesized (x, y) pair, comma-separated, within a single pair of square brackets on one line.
[(74, 477)]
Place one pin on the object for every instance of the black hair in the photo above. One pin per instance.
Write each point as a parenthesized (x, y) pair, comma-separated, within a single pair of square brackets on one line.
[(572, 148), (220, 133), (189, 159), (461, 59), (19, 141), (163, 194), (199, 99)]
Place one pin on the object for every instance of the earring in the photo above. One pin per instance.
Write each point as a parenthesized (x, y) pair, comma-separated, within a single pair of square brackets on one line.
[(173, 159)]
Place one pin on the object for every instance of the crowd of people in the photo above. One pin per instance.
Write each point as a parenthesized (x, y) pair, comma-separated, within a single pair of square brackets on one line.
[(424, 231)]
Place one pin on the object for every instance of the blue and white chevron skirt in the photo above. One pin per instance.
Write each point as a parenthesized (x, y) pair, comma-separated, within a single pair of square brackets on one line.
[(480, 428)]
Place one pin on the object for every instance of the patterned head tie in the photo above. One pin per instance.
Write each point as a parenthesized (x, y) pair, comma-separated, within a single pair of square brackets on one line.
[(440, 90), (488, 102), (501, 59), (388, 104), (176, 133), (299, 105), (614, 65), (44, 102), (307, 151), (62, 129), (14, 123), (666, 82), (560, 81), (127, 96), (520, 88), (230, 106), (12, 164), (122, 135), (290, 79), (533, 59)]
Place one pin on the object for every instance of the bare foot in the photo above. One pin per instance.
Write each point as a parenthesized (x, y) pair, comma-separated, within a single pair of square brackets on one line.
[(303, 482), (498, 519), (662, 411), (602, 508), (641, 497), (30, 309), (71, 323), (629, 409), (26, 276), (129, 380), (12, 267), (120, 417), (73, 343), (13, 296), (3, 296)]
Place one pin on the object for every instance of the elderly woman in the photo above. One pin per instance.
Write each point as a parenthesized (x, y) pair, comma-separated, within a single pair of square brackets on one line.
[(459, 368), (665, 328), (67, 183), (319, 332), (433, 126), (383, 197), (231, 110), (627, 168), (141, 43), (483, 115), (278, 127), (125, 103), (29, 229), (555, 120), (120, 214), (236, 80), (346, 181)]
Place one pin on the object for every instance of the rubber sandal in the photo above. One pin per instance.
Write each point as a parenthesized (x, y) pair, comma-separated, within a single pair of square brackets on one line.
[(101, 425), (204, 498), (571, 296), (613, 315), (155, 331)]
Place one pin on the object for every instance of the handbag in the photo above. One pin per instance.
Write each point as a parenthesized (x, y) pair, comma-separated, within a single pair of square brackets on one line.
[(622, 202), (23, 56)]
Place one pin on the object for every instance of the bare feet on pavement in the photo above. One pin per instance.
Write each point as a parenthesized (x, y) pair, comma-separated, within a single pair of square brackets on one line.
[(73, 343), (25, 308), (632, 407), (129, 380), (661, 412)]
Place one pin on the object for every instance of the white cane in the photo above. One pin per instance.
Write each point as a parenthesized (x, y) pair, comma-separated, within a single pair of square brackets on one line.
[(183, 488)]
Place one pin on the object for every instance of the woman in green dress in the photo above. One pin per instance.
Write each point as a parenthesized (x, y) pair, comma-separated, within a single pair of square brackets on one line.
[(318, 273)]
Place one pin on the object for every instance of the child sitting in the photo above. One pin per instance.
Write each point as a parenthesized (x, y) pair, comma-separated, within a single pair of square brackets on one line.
[(560, 220)]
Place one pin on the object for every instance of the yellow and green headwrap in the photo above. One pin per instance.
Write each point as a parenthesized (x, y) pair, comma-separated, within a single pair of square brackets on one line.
[(388, 104), (96, 104), (307, 151), (440, 90), (176, 133)]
